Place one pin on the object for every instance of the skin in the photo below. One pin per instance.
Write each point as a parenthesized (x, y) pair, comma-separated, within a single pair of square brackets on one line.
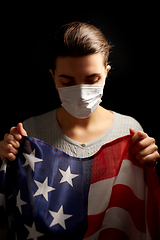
[(82, 70)]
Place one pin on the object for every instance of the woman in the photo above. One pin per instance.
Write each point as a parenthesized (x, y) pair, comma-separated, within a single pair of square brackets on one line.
[(79, 67)]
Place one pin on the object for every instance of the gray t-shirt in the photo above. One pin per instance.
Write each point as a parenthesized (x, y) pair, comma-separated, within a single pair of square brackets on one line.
[(46, 128)]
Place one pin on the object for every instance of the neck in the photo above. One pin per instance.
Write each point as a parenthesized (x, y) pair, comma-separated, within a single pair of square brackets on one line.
[(76, 122)]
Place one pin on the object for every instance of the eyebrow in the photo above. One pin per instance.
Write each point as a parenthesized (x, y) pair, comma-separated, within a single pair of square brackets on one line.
[(89, 76), (93, 75), (66, 76)]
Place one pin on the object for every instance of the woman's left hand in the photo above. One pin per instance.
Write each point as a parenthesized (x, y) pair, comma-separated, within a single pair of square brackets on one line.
[(144, 147)]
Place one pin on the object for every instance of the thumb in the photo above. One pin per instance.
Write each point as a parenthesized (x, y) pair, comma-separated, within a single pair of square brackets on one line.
[(132, 131), (21, 130)]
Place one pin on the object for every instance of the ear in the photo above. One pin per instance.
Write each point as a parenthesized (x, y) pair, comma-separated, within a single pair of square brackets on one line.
[(108, 69), (51, 73), (106, 72)]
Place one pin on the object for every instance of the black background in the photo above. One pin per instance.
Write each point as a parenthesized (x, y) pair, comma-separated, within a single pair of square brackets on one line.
[(132, 87)]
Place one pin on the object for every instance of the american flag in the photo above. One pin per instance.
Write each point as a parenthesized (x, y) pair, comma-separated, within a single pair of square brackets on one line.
[(47, 194)]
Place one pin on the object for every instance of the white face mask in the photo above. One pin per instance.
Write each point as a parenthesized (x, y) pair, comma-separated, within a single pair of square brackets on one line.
[(81, 100)]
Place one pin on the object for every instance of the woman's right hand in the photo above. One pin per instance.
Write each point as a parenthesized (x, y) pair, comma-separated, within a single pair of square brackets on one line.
[(11, 142)]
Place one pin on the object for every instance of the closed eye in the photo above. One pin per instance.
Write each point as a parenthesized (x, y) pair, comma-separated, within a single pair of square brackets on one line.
[(67, 80), (93, 79), (67, 83)]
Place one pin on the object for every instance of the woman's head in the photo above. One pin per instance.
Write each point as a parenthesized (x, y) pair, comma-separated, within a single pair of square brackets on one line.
[(78, 59), (76, 40)]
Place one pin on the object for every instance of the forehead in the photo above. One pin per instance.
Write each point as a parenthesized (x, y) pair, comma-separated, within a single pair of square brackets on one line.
[(82, 65)]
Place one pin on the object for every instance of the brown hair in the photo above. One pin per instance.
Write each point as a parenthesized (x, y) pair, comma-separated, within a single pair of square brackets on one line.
[(78, 39)]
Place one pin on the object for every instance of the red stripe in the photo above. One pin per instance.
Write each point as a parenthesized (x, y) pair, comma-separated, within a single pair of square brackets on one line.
[(106, 164), (112, 234), (153, 202), (133, 205), (94, 223), (107, 161)]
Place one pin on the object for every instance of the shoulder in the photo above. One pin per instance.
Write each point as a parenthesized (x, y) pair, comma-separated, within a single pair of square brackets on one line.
[(40, 118), (122, 124), (128, 121), (38, 124)]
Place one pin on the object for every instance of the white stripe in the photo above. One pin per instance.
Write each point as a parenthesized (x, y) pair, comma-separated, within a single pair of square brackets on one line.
[(117, 218), (133, 177), (99, 196), (100, 192)]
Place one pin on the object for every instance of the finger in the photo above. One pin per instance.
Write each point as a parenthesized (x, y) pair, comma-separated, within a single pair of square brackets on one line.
[(138, 136), (15, 133), (15, 144), (141, 144), (8, 148), (151, 158), (11, 156), (21, 130), (9, 138), (146, 151), (6, 154), (132, 131), (11, 149)]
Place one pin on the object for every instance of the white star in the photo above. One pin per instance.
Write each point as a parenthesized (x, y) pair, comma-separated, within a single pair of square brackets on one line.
[(4, 165), (31, 159), (59, 217), (33, 234), (67, 176), (20, 202), (43, 188)]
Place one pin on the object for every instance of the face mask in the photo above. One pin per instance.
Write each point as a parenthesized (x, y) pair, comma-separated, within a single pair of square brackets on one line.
[(81, 100)]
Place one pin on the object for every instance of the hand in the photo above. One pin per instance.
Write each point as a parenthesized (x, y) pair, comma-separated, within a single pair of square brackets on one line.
[(11, 142), (144, 147)]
